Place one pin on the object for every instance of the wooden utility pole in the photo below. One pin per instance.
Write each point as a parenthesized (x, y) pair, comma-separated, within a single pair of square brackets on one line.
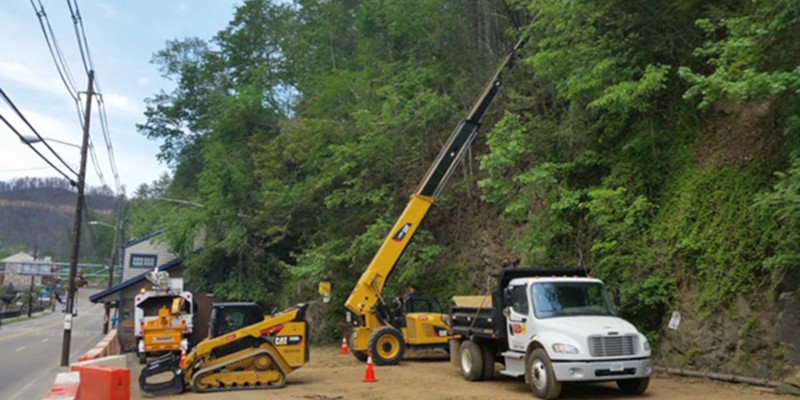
[(76, 228), (30, 291)]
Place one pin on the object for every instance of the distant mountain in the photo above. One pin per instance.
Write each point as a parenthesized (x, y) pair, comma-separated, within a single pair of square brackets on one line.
[(40, 212)]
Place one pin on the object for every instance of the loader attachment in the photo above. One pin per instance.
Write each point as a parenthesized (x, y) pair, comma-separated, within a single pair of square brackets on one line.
[(162, 377)]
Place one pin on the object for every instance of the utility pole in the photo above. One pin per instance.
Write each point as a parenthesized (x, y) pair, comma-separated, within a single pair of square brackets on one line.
[(112, 262), (30, 291), (76, 228)]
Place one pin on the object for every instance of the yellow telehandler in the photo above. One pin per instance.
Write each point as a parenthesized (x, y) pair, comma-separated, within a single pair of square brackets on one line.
[(377, 327)]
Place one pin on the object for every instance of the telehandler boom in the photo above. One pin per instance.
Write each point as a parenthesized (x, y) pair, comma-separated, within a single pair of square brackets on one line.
[(375, 329)]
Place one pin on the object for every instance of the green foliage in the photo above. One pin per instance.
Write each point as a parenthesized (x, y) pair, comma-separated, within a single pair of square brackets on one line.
[(752, 55), (302, 128)]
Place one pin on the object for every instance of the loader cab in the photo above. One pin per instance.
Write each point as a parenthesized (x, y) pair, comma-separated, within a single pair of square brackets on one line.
[(229, 317)]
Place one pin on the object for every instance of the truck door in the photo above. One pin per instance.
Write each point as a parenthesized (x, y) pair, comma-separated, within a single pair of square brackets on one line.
[(517, 318)]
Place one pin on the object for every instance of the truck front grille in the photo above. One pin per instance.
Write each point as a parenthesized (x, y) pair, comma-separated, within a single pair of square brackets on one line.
[(613, 346)]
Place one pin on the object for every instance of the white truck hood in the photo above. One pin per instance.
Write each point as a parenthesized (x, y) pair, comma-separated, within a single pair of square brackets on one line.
[(576, 330), (584, 326)]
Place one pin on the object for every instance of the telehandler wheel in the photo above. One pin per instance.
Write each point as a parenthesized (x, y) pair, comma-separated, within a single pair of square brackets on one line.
[(541, 377), (387, 346), (359, 355), (471, 361), (633, 386)]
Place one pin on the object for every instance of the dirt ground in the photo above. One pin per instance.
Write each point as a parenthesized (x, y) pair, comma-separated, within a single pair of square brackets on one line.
[(331, 376)]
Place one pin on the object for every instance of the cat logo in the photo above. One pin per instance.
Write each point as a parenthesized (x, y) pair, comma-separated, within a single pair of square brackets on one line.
[(402, 232), (287, 340)]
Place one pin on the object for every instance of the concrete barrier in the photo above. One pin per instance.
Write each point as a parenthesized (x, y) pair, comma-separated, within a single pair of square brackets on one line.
[(106, 347), (98, 375), (66, 387), (119, 361), (103, 383)]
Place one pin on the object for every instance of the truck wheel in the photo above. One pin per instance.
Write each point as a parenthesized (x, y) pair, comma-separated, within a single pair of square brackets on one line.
[(633, 386), (541, 376), (387, 346), (471, 361), (488, 361), (359, 355)]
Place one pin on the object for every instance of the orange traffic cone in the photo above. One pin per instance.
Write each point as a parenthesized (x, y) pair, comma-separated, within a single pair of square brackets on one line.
[(183, 359), (370, 376), (344, 344)]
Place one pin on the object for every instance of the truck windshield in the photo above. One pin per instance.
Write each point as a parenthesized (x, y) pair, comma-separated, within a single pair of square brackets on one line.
[(559, 299)]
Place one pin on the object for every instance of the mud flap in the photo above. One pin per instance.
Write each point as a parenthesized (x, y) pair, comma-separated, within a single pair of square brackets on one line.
[(167, 364)]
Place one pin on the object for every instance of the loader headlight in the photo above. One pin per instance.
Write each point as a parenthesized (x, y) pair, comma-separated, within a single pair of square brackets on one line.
[(565, 348)]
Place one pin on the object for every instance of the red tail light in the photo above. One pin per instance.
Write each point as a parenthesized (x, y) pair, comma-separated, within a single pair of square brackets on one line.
[(271, 331)]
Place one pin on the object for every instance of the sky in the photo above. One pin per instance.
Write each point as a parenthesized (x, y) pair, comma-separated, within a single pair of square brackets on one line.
[(122, 37)]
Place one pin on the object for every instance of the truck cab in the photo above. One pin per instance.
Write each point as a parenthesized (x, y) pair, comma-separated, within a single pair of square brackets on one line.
[(549, 329)]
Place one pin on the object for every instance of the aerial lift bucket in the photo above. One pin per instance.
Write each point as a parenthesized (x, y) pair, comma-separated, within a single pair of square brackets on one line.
[(170, 383)]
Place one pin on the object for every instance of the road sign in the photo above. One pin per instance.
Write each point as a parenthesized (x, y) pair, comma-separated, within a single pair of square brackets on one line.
[(35, 268)]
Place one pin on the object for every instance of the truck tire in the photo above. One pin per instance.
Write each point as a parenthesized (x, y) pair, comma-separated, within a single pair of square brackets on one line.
[(387, 346), (633, 386), (359, 355), (471, 361), (540, 375), (488, 361)]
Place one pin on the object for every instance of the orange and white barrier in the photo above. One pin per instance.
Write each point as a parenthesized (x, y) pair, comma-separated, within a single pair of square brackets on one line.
[(103, 383), (65, 387), (106, 347)]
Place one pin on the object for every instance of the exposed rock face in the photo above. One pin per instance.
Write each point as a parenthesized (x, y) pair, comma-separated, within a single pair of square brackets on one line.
[(787, 329), (746, 339)]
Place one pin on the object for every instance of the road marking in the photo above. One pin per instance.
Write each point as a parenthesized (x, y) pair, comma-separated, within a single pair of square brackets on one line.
[(20, 349), (23, 389)]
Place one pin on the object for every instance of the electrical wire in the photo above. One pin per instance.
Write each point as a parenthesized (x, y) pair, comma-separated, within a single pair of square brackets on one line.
[(55, 51), (88, 64), (76, 20), (19, 113), (71, 181)]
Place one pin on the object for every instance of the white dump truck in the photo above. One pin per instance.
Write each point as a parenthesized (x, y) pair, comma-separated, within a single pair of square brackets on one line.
[(550, 327)]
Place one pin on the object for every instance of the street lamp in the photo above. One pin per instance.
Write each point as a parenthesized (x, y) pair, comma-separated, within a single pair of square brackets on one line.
[(36, 139), (101, 223), (112, 262)]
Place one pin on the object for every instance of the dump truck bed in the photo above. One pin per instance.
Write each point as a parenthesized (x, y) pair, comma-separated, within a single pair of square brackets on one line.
[(475, 316)]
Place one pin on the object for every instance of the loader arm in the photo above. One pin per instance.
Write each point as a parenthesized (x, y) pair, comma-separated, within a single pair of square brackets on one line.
[(367, 292)]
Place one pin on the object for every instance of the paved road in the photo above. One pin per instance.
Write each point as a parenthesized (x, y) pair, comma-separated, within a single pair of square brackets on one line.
[(30, 351)]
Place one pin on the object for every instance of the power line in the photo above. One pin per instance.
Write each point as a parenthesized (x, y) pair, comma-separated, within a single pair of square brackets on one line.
[(71, 181), (76, 20), (56, 55), (19, 113), (88, 63)]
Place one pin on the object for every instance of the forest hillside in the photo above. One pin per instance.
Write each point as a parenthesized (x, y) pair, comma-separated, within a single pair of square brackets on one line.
[(655, 142)]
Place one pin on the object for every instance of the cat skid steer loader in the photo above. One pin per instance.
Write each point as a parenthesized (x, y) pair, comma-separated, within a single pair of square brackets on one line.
[(244, 350)]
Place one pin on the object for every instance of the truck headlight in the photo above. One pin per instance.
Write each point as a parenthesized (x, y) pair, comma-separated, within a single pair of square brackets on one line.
[(565, 348), (646, 345)]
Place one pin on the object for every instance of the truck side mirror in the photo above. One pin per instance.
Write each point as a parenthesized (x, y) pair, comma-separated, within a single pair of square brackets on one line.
[(615, 295), (506, 295)]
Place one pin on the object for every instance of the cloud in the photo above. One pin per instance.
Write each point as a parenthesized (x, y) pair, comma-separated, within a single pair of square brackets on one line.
[(143, 81), (27, 77), (120, 104)]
